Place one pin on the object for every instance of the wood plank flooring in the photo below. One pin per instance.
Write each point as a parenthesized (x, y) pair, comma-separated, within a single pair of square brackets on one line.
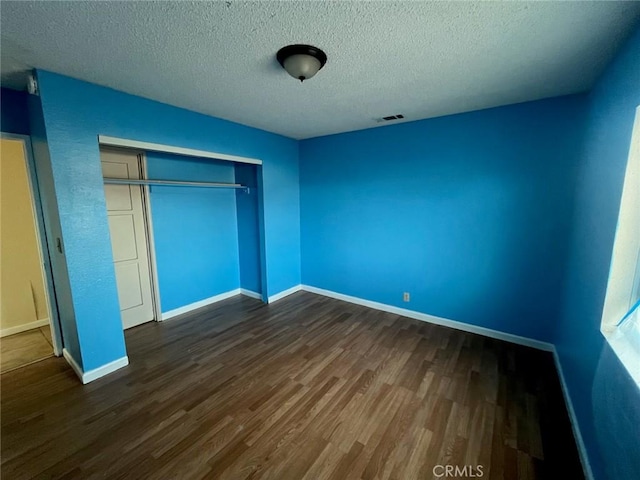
[(24, 348), (306, 388)]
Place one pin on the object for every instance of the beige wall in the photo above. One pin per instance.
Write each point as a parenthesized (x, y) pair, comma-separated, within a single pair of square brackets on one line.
[(22, 292)]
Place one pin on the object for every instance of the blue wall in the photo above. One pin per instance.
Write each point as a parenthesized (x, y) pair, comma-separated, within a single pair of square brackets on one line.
[(605, 398), (75, 113), (248, 208), (14, 112), (195, 230), (53, 231), (469, 213)]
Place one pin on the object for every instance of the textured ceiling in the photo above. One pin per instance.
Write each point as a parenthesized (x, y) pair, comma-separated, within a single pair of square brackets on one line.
[(421, 59)]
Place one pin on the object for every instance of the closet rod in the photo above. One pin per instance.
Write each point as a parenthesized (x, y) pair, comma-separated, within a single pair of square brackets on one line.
[(176, 183)]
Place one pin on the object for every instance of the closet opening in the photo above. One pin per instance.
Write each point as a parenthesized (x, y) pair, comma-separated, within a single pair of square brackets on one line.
[(185, 230)]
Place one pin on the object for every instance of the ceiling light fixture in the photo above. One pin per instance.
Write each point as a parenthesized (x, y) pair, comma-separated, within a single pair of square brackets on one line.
[(301, 61)]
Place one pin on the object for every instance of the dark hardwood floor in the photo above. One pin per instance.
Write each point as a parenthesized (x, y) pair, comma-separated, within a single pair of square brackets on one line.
[(308, 387)]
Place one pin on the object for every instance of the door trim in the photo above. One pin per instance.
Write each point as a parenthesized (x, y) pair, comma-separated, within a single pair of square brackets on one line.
[(43, 249), (107, 141)]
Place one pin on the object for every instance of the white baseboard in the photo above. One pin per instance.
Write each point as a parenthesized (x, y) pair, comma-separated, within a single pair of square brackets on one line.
[(24, 327), (72, 362), (582, 450), (91, 375), (466, 327), (199, 304), (110, 367), (284, 293), (250, 293)]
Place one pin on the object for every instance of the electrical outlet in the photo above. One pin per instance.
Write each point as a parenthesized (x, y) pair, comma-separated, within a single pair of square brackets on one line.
[(406, 297)]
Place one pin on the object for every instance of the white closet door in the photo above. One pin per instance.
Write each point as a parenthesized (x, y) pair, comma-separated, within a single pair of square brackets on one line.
[(128, 237)]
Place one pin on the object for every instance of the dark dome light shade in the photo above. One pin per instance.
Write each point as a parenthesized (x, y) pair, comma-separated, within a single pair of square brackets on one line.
[(301, 61)]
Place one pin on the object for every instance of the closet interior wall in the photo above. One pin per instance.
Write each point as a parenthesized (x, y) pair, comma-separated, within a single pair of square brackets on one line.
[(206, 239)]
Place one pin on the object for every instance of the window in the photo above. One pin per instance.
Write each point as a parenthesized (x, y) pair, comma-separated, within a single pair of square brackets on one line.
[(621, 313)]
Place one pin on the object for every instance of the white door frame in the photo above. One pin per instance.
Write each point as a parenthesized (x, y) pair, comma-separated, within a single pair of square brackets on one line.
[(43, 249)]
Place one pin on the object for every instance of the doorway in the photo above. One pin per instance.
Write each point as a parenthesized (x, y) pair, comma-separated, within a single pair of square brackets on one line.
[(27, 316)]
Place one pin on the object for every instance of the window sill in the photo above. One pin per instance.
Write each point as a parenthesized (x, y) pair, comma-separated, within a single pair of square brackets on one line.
[(627, 351)]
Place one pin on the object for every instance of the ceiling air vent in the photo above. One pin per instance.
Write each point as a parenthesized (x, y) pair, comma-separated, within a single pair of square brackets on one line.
[(390, 118)]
